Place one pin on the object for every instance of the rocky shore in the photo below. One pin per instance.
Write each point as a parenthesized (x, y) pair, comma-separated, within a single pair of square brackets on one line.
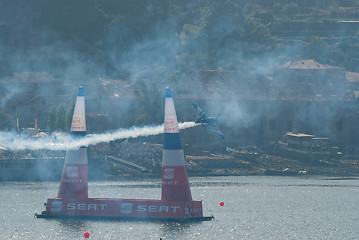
[(122, 160), (252, 162)]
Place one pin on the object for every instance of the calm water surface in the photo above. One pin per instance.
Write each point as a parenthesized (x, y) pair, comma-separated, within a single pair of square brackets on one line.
[(255, 207)]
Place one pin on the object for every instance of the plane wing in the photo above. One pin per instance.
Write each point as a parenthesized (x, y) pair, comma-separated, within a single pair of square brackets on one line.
[(216, 130), (202, 115)]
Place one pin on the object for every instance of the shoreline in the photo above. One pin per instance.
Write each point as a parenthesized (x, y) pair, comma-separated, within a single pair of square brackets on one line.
[(198, 165)]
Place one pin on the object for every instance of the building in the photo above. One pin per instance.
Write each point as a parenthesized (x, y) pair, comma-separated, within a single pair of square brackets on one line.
[(304, 95)]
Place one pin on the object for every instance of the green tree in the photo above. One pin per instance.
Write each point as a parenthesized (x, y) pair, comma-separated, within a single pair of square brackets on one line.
[(59, 117), (148, 108)]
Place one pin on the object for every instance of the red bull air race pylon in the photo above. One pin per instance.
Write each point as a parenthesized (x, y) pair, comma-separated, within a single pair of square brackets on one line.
[(176, 202)]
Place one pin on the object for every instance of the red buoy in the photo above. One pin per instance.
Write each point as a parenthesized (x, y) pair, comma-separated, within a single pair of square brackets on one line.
[(221, 204), (86, 234)]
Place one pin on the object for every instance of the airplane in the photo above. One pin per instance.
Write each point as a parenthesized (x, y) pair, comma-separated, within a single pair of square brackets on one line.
[(204, 120)]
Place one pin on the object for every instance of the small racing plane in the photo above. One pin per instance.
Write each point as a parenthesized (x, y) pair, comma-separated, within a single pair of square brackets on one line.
[(204, 120)]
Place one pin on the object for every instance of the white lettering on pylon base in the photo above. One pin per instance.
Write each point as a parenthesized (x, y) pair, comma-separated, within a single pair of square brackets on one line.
[(126, 208), (85, 206), (56, 206), (157, 209)]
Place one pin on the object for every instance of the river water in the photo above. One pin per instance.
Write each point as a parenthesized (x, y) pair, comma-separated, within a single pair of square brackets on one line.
[(255, 207)]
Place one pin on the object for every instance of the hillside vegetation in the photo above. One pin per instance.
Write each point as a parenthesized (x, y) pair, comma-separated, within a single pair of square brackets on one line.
[(189, 34), (153, 44)]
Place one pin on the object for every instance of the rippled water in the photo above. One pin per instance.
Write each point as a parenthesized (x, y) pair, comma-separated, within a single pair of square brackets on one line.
[(255, 207)]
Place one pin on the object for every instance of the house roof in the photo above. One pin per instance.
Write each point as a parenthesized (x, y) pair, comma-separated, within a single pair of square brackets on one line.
[(33, 77), (118, 88), (352, 76), (307, 64)]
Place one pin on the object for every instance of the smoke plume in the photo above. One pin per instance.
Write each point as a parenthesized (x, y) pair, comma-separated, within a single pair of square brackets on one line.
[(11, 141)]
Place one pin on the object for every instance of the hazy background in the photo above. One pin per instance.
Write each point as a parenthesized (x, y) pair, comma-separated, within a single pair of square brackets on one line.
[(148, 45)]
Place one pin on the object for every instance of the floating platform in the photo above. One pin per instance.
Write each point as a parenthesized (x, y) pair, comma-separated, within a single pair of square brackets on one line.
[(124, 209), (175, 205), (45, 214)]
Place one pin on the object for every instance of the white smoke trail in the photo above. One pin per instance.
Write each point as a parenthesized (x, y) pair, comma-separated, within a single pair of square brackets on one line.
[(11, 141)]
